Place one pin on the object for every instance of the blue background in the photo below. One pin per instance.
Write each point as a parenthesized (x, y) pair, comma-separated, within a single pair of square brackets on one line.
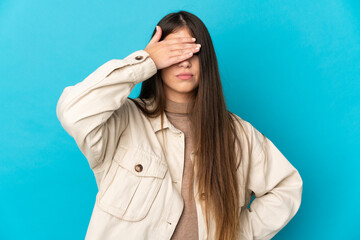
[(291, 68)]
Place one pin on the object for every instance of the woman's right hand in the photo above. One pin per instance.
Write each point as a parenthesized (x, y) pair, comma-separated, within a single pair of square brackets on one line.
[(170, 51)]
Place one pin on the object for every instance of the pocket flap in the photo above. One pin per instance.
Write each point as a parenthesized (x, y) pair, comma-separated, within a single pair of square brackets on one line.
[(140, 162)]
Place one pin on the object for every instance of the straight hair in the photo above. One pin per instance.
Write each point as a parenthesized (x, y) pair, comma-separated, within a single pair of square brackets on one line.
[(218, 132)]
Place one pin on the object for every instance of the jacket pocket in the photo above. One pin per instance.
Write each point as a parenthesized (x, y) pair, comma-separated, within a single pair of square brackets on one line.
[(131, 184)]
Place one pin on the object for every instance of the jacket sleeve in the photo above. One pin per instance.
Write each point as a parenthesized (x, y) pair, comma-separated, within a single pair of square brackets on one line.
[(94, 111), (277, 186)]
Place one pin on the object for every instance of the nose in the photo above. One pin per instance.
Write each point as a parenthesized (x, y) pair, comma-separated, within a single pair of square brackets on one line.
[(186, 63)]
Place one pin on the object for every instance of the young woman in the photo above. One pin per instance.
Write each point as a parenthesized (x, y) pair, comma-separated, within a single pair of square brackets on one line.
[(174, 163)]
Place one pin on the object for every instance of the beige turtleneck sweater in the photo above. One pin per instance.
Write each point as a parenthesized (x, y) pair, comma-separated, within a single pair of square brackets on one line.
[(187, 227)]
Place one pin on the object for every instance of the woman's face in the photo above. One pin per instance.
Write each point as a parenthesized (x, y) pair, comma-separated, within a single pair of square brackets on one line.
[(177, 89)]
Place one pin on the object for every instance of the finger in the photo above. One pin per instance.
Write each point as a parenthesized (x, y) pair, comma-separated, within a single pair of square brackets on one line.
[(181, 52), (183, 46), (179, 40), (179, 58), (157, 35)]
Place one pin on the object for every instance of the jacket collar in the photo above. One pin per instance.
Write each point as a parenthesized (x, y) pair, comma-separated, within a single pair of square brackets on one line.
[(156, 122)]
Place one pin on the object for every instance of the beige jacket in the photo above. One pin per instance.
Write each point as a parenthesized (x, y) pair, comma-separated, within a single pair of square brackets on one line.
[(139, 185)]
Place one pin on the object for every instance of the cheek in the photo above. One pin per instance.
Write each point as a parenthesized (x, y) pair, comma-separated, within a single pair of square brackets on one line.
[(196, 65), (198, 71), (163, 74), (167, 73)]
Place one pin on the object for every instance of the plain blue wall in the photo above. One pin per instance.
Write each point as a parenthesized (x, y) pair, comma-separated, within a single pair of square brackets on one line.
[(291, 68)]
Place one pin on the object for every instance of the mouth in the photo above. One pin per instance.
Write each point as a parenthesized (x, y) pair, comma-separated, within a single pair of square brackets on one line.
[(184, 76)]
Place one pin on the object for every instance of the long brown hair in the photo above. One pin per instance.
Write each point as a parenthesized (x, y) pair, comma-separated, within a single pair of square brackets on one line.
[(217, 143)]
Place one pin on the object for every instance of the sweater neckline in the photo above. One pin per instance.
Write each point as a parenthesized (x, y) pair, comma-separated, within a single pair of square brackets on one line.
[(176, 107)]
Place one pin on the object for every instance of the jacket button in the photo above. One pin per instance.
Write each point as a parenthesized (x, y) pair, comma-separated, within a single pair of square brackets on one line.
[(138, 167), (139, 57)]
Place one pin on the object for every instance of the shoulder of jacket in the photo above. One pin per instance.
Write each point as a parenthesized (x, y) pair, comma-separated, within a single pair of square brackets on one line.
[(256, 137), (133, 110), (131, 105), (127, 110), (247, 126)]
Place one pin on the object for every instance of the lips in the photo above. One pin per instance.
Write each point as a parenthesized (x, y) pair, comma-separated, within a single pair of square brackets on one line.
[(184, 74)]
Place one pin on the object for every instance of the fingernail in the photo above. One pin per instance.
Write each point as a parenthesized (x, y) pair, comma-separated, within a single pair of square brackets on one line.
[(194, 39)]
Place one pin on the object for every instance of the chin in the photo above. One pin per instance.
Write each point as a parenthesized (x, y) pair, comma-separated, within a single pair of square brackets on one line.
[(186, 88), (187, 91)]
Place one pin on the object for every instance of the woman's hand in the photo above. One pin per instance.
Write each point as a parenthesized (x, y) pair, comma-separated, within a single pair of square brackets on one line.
[(170, 51)]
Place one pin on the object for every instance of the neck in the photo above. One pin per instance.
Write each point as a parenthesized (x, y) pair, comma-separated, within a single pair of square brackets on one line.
[(179, 98)]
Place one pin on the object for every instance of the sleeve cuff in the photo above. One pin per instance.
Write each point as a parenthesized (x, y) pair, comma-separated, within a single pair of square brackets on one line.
[(142, 65)]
